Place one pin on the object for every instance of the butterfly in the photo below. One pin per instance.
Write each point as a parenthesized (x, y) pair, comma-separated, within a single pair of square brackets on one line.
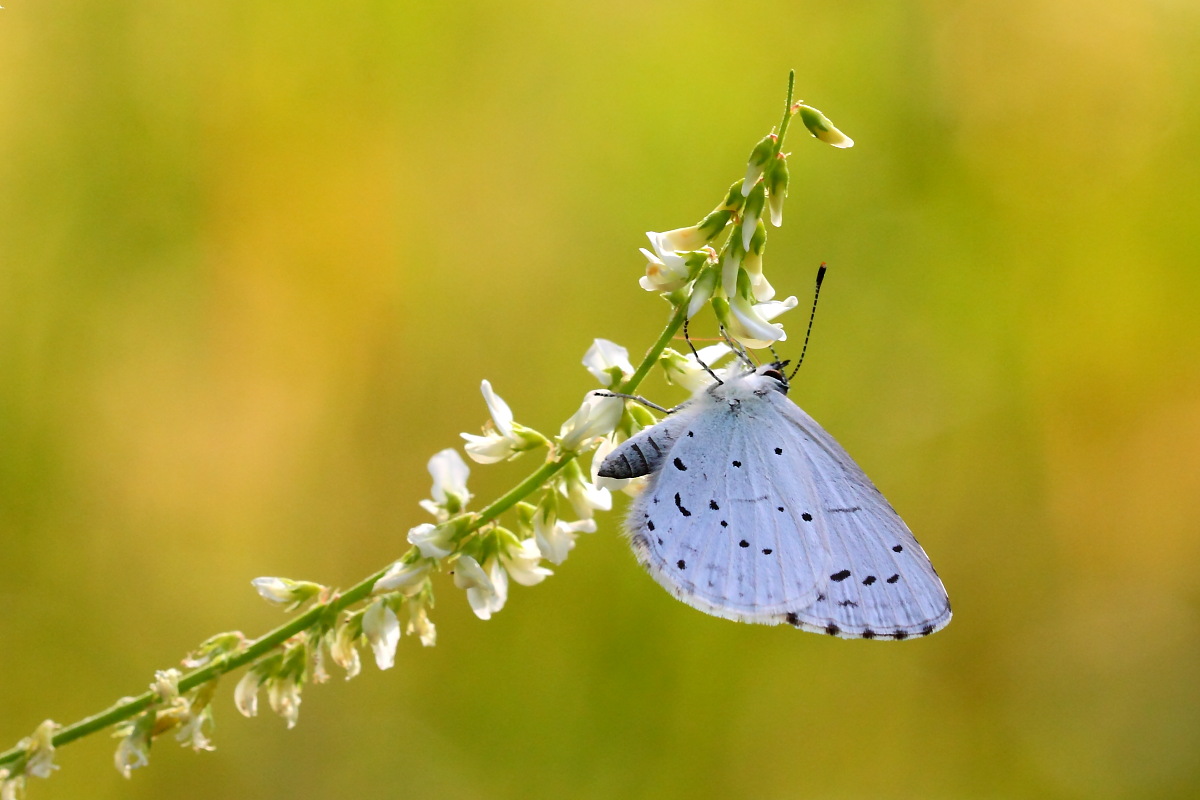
[(754, 513)]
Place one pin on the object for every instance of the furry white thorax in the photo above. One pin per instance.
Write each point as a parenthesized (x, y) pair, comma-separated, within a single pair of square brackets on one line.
[(741, 384)]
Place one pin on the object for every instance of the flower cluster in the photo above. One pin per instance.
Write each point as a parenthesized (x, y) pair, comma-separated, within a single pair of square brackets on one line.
[(686, 267), (482, 555), (37, 759), (717, 262)]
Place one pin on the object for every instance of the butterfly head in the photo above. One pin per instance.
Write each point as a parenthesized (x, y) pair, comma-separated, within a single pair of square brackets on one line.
[(774, 376)]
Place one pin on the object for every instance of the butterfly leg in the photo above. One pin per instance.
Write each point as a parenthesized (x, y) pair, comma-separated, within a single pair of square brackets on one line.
[(639, 399)]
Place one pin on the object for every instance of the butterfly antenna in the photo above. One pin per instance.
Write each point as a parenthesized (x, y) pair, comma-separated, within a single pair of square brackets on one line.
[(696, 353), (737, 348), (811, 316)]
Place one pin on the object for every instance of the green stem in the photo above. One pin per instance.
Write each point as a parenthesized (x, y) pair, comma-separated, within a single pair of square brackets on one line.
[(787, 112), (655, 350), (277, 637), (273, 639), (260, 647)]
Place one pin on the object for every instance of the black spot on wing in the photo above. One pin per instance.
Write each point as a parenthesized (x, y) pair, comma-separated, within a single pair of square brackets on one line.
[(650, 524), (681, 564), (807, 517), (679, 505), (792, 618), (691, 434), (867, 581), (898, 548), (778, 451), (868, 634), (767, 551), (893, 579), (928, 629), (713, 505), (832, 630), (737, 463), (679, 464), (743, 543), (840, 576), (724, 524)]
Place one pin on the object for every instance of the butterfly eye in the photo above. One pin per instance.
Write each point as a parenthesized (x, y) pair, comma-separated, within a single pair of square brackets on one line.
[(778, 377)]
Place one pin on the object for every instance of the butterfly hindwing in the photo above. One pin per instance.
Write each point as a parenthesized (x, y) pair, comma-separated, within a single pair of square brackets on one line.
[(881, 584)]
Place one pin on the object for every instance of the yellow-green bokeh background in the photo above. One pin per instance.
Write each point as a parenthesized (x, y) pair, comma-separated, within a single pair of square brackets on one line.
[(256, 257)]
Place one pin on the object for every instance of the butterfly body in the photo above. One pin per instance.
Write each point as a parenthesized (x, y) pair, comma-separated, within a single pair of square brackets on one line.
[(754, 513)]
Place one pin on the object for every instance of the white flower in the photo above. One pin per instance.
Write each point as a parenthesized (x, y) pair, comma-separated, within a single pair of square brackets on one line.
[(586, 497), (132, 752), (319, 673), (166, 684), (419, 624), (214, 646), (382, 630), (486, 590), (11, 788), (434, 541), (192, 732), (405, 578), (343, 648), (664, 273), (606, 446), (283, 693), (555, 538), (607, 360), (820, 126), (499, 442), (730, 266), (687, 372), (134, 749), (39, 749), (702, 290), (245, 694), (679, 240), (521, 563), (598, 416), (284, 591), (750, 323), (450, 494), (760, 288)]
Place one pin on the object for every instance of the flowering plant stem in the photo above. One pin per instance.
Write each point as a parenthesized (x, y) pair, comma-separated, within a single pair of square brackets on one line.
[(265, 644), (691, 269)]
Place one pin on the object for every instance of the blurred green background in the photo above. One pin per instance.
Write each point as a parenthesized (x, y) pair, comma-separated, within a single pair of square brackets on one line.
[(256, 257)]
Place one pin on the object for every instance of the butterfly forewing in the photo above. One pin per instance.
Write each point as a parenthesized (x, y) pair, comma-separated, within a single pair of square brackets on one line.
[(719, 531)]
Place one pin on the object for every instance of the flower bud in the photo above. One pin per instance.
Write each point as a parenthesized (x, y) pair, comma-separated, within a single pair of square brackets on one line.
[(777, 186), (820, 126), (759, 156), (752, 212)]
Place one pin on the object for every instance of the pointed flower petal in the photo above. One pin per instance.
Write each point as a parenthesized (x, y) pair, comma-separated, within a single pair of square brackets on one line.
[(382, 630), (607, 361)]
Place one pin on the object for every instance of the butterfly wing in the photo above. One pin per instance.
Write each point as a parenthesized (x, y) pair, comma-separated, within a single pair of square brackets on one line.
[(880, 583), (729, 523)]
